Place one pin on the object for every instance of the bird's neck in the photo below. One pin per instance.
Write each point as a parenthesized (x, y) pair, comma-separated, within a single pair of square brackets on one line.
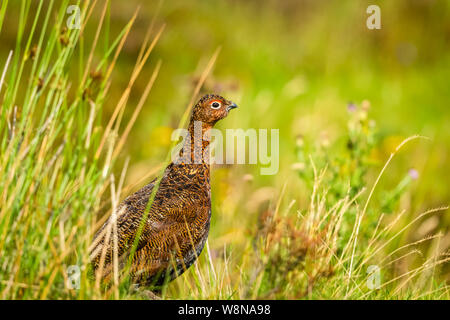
[(196, 144)]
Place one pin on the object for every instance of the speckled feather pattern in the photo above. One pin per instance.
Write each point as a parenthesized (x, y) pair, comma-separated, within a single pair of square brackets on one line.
[(178, 221)]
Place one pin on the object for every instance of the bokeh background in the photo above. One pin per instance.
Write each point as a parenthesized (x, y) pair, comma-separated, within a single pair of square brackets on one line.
[(293, 66)]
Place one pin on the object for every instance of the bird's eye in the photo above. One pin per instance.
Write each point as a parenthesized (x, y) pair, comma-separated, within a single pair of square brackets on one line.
[(215, 105)]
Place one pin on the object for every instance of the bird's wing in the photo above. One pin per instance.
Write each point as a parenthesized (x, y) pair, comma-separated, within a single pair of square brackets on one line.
[(168, 227), (129, 216), (168, 247)]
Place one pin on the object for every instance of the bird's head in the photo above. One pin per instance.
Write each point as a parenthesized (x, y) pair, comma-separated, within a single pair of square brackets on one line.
[(211, 108)]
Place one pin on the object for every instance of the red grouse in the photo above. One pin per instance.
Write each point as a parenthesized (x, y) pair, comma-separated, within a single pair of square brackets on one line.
[(177, 224)]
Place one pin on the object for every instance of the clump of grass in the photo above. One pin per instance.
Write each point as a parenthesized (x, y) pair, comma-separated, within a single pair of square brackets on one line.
[(56, 157), (331, 249)]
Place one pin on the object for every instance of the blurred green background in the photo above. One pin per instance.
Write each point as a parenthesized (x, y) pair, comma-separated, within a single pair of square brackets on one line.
[(294, 66)]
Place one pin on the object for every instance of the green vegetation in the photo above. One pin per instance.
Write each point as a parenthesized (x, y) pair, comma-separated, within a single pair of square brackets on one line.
[(87, 114)]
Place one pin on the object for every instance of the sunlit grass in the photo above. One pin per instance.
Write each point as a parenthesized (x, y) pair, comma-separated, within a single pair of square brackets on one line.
[(57, 158)]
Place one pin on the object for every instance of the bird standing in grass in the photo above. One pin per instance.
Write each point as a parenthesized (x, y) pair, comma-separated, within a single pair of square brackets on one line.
[(177, 224)]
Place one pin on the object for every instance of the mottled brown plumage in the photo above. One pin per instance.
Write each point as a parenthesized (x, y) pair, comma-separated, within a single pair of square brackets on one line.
[(177, 225)]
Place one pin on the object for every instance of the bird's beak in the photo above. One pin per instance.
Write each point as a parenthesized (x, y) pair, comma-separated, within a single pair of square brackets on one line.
[(232, 106)]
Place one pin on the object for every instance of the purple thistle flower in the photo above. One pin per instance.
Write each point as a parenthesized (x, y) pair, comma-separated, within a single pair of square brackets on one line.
[(351, 107), (413, 173)]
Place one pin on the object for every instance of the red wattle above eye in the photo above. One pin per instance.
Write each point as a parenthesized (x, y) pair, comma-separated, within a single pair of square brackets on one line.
[(218, 101)]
